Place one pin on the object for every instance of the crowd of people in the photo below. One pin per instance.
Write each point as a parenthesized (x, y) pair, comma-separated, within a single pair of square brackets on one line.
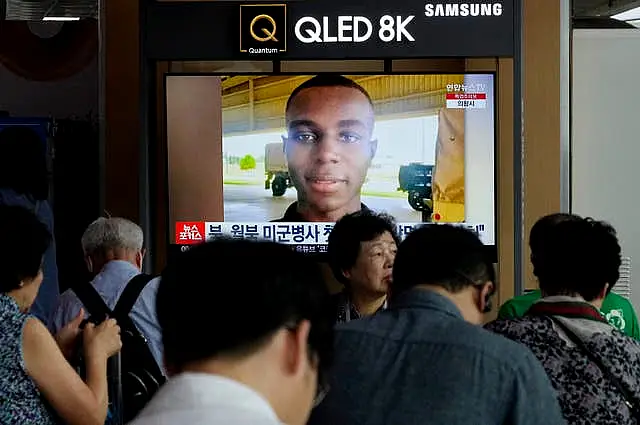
[(247, 332), (405, 342)]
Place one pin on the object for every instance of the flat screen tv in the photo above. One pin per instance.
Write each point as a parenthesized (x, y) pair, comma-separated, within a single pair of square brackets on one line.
[(291, 154)]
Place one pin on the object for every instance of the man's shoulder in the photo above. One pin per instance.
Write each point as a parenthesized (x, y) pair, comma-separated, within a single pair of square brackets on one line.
[(290, 214), (68, 299), (527, 297), (518, 306), (614, 301), (68, 306), (151, 288), (457, 335), (476, 337), (68, 294)]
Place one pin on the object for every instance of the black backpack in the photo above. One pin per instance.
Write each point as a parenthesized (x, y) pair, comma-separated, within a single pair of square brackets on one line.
[(137, 374)]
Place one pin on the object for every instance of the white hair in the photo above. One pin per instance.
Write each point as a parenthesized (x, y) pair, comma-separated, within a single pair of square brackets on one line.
[(112, 233)]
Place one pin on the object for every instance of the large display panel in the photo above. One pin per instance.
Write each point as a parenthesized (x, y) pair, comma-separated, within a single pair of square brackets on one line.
[(418, 147)]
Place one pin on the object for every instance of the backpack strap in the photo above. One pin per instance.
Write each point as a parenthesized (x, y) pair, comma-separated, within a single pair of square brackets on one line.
[(130, 295), (92, 301)]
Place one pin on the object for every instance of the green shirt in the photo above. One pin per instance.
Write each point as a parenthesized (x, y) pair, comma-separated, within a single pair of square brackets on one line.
[(616, 309)]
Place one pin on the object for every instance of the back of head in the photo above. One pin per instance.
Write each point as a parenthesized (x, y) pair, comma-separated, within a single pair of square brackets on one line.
[(545, 226), (226, 298), (23, 242), (112, 235), (349, 232), (580, 257), (327, 80), (442, 255), (23, 164)]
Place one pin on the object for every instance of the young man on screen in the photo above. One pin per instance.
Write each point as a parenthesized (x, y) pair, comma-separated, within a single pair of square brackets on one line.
[(329, 147)]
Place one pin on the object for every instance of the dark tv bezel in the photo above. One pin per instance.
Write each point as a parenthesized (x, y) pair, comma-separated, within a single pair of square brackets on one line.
[(491, 250)]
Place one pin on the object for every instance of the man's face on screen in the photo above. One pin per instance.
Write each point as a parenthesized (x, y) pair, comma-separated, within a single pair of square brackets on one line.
[(329, 148)]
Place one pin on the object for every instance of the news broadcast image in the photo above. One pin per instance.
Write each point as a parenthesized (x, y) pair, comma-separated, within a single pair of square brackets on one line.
[(422, 150)]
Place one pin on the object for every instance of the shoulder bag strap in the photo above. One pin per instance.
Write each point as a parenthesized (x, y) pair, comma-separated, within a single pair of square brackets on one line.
[(130, 295), (92, 301), (628, 397), (125, 303)]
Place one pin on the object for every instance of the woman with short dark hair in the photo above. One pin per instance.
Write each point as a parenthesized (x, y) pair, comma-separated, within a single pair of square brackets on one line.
[(594, 367), (362, 248), (37, 383)]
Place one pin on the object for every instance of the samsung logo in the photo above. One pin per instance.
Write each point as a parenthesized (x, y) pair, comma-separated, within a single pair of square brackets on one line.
[(462, 9)]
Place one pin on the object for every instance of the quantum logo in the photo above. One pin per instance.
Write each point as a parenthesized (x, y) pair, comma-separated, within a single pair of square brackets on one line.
[(270, 33), (263, 28)]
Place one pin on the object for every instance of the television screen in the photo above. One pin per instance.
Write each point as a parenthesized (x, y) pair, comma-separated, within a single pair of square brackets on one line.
[(296, 152)]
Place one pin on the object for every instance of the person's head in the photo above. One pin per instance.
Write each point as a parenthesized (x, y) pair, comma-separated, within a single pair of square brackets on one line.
[(540, 231), (23, 163), (581, 257), (253, 311), (109, 239), (451, 261), (362, 248), (23, 242), (329, 143)]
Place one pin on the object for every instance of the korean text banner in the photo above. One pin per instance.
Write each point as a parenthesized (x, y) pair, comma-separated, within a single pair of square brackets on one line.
[(303, 234)]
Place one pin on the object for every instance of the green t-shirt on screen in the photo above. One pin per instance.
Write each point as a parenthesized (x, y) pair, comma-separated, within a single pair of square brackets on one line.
[(616, 309)]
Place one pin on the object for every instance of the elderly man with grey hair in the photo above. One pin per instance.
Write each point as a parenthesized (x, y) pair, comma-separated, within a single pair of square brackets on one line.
[(113, 250)]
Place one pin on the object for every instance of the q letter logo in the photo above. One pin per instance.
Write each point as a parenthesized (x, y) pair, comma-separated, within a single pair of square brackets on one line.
[(263, 28)]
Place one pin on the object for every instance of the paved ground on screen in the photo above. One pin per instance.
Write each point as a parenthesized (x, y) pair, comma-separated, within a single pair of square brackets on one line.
[(252, 204)]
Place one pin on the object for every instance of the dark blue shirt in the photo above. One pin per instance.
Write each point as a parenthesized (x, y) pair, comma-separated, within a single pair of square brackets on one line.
[(420, 362), (47, 298)]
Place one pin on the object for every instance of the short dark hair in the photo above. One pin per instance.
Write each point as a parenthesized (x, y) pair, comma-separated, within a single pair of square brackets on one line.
[(23, 162), (541, 232), (209, 303), (327, 80), (349, 232), (443, 255), (580, 257), (545, 226), (23, 242)]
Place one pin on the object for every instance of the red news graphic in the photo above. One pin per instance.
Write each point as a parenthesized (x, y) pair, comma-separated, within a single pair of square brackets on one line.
[(466, 100), (466, 96), (190, 232)]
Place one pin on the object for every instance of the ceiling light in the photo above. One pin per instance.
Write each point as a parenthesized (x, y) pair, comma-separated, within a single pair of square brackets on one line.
[(60, 18)]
